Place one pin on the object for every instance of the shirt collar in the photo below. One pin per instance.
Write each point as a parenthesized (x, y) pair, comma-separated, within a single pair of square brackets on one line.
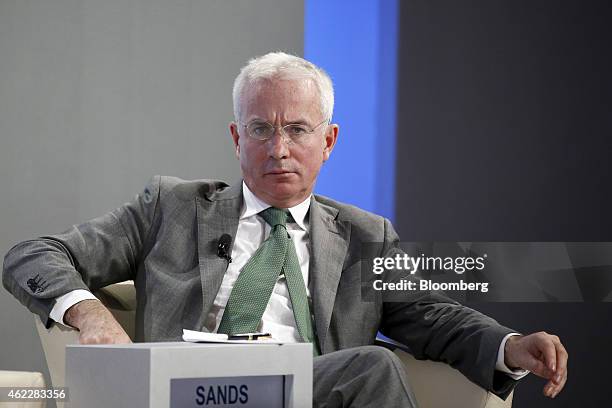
[(253, 205)]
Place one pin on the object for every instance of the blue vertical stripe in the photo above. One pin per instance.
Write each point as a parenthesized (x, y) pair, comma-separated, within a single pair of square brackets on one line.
[(356, 42)]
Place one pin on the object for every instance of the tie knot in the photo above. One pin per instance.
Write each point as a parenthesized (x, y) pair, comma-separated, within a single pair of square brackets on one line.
[(275, 216)]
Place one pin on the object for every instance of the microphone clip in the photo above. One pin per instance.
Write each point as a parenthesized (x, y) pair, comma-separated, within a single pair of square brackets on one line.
[(223, 247)]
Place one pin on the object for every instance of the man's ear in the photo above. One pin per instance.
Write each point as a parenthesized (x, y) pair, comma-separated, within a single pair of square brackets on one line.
[(235, 137), (331, 136)]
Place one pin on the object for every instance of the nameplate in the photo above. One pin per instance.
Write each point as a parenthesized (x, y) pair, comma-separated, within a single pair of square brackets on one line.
[(248, 391)]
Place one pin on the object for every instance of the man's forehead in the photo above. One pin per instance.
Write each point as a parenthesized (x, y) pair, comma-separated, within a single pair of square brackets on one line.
[(280, 85), (297, 99)]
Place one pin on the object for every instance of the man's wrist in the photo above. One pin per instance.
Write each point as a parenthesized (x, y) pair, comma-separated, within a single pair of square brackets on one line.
[(501, 364), (74, 315), (64, 302), (510, 342)]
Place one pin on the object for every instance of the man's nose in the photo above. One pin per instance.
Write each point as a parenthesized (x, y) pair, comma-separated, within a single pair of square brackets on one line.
[(278, 144)]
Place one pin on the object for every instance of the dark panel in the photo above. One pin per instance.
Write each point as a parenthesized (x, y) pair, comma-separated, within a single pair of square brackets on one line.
[(504, 133), (585, 331)]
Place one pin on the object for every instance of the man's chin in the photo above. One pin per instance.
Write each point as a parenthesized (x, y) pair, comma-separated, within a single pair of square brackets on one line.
[(284, 195)]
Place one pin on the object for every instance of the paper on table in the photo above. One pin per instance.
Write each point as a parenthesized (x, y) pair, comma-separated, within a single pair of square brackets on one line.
[(201, 337), (195, 336)]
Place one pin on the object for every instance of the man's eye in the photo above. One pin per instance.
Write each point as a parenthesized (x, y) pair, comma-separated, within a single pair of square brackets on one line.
[(296, 130), (260, 130)]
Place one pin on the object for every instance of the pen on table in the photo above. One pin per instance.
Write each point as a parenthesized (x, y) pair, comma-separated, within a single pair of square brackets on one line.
[(250, 336)]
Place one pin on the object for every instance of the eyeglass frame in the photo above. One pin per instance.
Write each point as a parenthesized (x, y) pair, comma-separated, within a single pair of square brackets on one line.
[(282, 129)]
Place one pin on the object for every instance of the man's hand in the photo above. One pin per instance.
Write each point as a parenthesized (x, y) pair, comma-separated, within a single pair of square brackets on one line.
[(96, 323), (542, 354)]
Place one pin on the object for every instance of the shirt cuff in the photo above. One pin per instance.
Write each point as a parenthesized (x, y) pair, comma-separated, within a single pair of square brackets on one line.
[(65, 302), (500, 365)]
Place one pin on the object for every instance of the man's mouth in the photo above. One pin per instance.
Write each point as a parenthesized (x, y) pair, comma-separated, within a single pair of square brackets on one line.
[(280, 172)]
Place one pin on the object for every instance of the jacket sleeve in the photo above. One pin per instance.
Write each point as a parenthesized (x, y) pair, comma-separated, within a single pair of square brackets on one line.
[(435, 327), (88, 256)]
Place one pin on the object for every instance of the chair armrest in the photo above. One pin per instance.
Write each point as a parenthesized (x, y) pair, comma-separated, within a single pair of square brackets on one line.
[(119, 298), (437, 385), (22, 379), (54, 341)]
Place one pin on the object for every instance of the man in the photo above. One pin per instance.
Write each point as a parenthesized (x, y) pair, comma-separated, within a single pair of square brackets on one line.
[(166, 241)]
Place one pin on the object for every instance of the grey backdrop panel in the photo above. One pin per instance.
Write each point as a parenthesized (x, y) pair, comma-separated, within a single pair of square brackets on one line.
[(95, 97)]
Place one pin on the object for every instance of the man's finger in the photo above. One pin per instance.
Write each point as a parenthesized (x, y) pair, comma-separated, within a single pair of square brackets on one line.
[(560, 376), (548, 389), (556, 388), (537, 367), (552, 389), (562, 356), (549, 353)]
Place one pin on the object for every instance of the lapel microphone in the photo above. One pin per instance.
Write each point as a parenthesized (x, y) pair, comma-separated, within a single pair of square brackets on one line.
[(223, 247)]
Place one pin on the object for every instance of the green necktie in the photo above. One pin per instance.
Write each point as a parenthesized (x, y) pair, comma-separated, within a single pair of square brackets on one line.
[(253, 288)]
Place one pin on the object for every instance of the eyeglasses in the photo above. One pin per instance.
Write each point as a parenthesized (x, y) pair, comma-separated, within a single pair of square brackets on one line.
[(294, 131)]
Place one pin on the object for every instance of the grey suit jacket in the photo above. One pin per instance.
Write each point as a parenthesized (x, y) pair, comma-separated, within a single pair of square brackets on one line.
[(165, 240)]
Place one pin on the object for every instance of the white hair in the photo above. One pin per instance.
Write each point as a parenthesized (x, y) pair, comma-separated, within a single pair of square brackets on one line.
[(284, 66)]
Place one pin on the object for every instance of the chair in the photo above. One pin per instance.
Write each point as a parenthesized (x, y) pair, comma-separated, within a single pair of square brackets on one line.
[(425, 376), (22, 379)]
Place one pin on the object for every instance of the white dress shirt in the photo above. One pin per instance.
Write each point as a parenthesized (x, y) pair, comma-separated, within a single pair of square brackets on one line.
[(252, 231), (278, 317)]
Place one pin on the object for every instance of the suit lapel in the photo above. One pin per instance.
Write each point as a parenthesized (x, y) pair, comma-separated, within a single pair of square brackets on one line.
[(329, 239), (217, 215)]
